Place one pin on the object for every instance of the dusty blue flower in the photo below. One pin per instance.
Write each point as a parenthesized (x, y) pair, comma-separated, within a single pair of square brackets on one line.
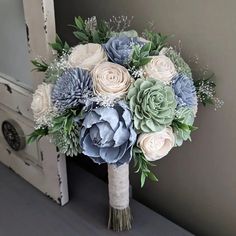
[(119, 49), (107, 134), (72, 89), (185, 91)]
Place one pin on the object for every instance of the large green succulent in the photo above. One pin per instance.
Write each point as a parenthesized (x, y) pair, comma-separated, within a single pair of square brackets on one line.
[(152, 103), (183, 122)]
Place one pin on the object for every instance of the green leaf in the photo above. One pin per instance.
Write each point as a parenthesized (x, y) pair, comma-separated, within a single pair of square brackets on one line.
[(96, 38), (37, 135), (152, 177), (68, 125), (81, 36), (143, 178), (79, 23), (141, 163), (59, 46), (40, 66), (146, 48), (144, 61), (58, 40), (56, 127)]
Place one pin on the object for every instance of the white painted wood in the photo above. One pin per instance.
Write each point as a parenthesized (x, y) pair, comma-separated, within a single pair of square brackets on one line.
[(40, 27), (38, 163)]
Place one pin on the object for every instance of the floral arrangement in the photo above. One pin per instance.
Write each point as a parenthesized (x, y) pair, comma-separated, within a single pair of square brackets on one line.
[(117, 96)]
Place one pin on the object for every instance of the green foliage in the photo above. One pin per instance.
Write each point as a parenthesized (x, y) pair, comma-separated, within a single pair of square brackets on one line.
[(205, 89), (37, 135), (181, 66), (64, 122), (140, 56), (158, 41), (59, 46), (100, 34), (143, 165), (40, 66), (182, 131), (65, 133), (179, 125)]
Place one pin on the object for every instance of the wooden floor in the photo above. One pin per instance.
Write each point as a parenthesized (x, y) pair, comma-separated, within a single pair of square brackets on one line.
[(24, 211)]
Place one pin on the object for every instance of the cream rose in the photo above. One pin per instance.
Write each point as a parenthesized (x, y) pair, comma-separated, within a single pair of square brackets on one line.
[(87, 56), (156, 145), (112, 80), (160, 68), (41, 104)]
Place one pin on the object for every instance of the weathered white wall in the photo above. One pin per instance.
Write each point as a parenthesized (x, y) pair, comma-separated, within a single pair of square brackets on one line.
[(197, 183)]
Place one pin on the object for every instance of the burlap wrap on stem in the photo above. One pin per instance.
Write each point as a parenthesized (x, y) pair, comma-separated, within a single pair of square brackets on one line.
[(119, 213)]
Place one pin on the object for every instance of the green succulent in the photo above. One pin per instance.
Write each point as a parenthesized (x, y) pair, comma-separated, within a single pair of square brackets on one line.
[(181, 66), (182, 125), (67, 142), (152, 104)]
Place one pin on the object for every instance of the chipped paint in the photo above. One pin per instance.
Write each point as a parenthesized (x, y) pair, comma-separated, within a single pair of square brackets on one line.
[(8, 88), (41, 155), (26, 163), (18, 111), (9, 151)]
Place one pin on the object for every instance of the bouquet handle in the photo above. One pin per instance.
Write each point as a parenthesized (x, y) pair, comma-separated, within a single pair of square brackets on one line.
[(119, 210)]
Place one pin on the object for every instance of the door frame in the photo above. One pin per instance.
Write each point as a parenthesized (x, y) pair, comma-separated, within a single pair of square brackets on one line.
[(40, 163)]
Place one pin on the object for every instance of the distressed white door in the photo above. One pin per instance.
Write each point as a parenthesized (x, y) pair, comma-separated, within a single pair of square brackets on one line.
[(26, 28)]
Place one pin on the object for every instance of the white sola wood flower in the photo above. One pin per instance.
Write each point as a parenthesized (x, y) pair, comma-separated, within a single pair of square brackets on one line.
[(87, 56), (111, 80), (41, 105), (160, 68), (157, 144)]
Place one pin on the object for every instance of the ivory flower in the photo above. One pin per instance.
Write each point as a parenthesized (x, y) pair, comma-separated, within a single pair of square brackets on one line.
[(160, 68), (111, 80), (41, 104), (156, 145), (87, 56)]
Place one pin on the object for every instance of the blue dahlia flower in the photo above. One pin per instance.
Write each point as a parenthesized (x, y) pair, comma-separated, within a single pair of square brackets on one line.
[(185, 91), (119, 49), (107, 134), (72, 88)]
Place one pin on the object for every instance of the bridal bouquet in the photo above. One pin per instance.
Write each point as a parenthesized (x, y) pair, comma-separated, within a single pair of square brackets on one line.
[(116, 96)]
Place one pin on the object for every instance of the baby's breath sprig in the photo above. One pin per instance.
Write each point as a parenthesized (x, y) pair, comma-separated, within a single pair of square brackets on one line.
[(119, 23), (206, 91)]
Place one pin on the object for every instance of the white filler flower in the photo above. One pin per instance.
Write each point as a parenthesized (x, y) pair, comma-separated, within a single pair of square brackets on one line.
[(160, 68), (157, 144), (87, 56)]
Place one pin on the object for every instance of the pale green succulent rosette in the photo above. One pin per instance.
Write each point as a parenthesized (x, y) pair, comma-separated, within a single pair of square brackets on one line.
[(185, 116), (152, 104)]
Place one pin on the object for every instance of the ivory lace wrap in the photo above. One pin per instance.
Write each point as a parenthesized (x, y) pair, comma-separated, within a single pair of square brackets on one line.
[(118, 178)]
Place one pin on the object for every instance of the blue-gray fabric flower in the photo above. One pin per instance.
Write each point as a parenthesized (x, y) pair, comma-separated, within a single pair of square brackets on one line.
[(185, 91), (72, 89), (119, 49), (107, 134)]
